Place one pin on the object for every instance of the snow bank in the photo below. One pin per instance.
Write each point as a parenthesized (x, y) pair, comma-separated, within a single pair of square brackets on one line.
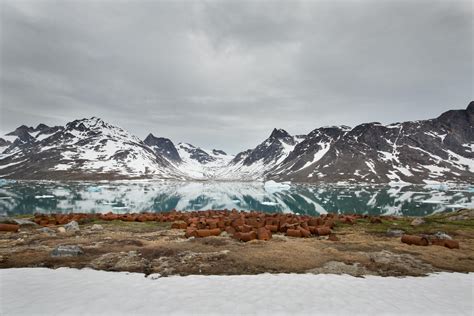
[(34, 291)]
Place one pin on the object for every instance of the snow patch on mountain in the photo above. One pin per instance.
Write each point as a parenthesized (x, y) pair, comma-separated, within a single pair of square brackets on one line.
[(200, 163)]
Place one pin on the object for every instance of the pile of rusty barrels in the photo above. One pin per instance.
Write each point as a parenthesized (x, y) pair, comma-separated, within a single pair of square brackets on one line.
[(242, 225), (429, 240), (247, 226)]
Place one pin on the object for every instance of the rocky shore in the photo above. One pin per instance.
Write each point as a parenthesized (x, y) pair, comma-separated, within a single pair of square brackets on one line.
[(221, 242)]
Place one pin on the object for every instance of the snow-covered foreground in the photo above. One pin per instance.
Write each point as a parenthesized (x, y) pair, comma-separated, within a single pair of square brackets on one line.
[(33, 291)]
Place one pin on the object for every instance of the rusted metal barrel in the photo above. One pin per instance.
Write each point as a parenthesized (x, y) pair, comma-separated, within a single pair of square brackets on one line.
[(9, 227), (415, 240)]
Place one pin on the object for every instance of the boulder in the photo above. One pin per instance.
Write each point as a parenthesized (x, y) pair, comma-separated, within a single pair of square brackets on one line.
[(47, 230), (442, 235), (97, 227), (67, 251), (72, 226), (120, 261), (131, 262), (417, 221), (154, 276), (61, 230)]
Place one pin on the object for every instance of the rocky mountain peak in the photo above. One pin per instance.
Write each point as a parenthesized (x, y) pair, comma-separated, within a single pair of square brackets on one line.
[(23, 135), (21, 130), (150, 139), (4, 142), (162, 146), (41, 127), (279, 134), (470, 107), (218, 152), (195, 153)]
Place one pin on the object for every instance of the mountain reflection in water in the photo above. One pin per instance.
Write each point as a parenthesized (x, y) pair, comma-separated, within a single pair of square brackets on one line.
[(27, 197)]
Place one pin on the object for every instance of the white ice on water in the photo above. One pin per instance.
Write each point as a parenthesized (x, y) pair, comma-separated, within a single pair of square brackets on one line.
[(40, 291), (275, 187)]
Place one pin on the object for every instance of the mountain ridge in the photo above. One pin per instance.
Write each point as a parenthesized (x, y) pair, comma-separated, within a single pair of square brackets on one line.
[(422, 151)]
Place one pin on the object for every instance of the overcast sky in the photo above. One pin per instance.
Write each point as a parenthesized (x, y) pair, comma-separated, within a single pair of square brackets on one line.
[(224, 74)]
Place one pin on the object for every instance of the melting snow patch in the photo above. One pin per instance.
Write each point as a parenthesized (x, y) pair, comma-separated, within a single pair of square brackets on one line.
[(318, 155), (12, 164), (62, 167), (77, 292), (371, 166)]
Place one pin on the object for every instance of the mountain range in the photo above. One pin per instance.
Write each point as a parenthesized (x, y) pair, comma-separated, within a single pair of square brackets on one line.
[(423, 151)]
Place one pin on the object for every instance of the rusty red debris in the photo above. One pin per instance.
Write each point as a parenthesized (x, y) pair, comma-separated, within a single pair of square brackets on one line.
[(241, 225)]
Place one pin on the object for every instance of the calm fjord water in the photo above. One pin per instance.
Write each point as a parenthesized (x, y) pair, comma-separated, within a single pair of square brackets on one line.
[(26, 197)]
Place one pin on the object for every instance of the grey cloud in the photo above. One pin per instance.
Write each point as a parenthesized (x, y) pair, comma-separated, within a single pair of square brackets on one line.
[(223, 74)]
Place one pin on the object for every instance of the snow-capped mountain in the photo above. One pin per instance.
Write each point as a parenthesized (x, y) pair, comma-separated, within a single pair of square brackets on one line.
[(194, 162), (436, 150), (253, 164), (314, 146), (83, 149), (200, 163)]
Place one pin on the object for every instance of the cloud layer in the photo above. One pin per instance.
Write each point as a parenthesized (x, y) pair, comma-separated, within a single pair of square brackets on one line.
[(223, 74)]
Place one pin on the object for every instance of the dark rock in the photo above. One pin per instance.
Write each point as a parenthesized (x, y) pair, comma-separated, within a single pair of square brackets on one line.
[(47, 230), (67, 251)]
